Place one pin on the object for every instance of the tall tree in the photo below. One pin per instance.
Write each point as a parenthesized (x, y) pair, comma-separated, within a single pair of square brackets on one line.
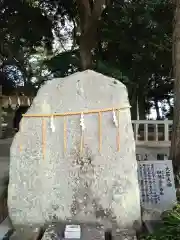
[(21, 33), (175, 143), (141, 59), (86, 16), (141, 54), (90, 13), (112, 45)]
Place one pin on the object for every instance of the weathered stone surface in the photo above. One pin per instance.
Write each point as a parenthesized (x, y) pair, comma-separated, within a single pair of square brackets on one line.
[(26, 233), (65, 186), (125, 235), (50, 234)]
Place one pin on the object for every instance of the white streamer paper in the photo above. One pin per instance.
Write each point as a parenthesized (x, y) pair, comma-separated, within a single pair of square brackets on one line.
[(115, 121), (82, 124), (52, 126)]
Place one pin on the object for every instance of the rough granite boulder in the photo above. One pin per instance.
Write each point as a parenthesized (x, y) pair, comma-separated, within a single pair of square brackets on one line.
[(94, 187)]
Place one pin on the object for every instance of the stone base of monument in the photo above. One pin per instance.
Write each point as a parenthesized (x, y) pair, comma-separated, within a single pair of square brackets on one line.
[(151, 220), (88, 232), (27, 233), (6, 229), (152, 226)]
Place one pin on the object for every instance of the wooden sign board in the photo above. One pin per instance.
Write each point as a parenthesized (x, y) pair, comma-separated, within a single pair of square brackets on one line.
[(156, 181)]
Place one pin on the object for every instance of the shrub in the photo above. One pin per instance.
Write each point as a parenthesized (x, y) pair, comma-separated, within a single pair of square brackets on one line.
[(171, 226)]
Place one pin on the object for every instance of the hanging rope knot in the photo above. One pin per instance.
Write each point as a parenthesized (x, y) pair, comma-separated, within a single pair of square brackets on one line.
[(82, 122), (115, 121)]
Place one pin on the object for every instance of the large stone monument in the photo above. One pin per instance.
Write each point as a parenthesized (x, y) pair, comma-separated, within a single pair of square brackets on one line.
[(74, 156)]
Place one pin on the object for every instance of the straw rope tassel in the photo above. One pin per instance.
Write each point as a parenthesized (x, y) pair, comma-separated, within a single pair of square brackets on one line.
[(43, 137), (118, 133), (74, 113), (65, 135), (82, 125), (82, 143), (21, 129), (100, 130)]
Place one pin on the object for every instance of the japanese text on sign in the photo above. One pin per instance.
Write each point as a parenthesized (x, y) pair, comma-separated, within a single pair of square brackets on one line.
[(156, 182)]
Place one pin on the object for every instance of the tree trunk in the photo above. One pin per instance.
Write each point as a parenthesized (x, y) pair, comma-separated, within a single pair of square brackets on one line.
[(142, 107), (132, 92), (1, 112), (85, 54), (175, 142), (133, 104), (157, 109), (90, 12)]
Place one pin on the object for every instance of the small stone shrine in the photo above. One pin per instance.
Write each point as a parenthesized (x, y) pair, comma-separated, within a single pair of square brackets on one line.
[(74, 156)]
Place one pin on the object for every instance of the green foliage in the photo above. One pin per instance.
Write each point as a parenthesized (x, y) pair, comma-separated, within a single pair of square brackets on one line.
[(134, 44), (137, 39), (23, 28), (68, 62), (108, 70), (64, 63), (171, 226), (134, 41)]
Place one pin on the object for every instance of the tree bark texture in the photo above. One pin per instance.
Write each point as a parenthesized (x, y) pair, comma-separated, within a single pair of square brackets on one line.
[(90, 12), (1, 111), (175, 142)]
